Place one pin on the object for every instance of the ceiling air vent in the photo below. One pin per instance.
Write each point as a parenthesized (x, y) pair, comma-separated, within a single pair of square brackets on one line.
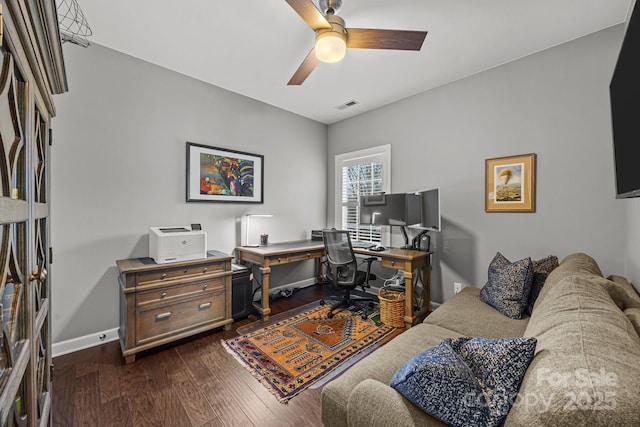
[(347, 105)]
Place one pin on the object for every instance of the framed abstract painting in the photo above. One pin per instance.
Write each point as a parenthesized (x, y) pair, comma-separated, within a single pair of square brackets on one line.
[(510, 184), (223, 175)]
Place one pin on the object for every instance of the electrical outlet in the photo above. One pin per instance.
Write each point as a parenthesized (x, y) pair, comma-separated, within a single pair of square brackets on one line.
[(457, 287)]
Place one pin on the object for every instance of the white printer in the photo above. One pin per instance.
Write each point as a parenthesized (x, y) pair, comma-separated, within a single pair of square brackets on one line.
[(181, 243)]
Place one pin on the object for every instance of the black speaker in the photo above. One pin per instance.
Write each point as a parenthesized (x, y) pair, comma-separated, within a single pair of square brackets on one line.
[(422, 242)]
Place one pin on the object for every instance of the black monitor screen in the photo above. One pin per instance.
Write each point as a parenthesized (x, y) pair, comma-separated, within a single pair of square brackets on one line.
[(390, 209), (430, 212)]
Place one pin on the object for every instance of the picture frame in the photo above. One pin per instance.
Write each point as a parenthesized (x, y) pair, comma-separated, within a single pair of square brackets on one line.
[(223, 175), (510, 184)]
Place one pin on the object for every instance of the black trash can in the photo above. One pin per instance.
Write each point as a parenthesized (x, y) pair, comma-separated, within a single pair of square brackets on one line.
[(241, 292)]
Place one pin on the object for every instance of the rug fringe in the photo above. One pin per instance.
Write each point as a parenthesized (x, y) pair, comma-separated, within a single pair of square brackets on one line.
[(258, 376)]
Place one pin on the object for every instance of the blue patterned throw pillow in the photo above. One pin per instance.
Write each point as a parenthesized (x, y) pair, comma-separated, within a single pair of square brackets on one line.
[(509, 286), (499, 366), (466, 381), (440, 382), (541, 270)]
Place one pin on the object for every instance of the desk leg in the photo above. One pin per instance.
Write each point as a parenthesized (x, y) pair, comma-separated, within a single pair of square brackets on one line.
[(408, 297), (426, 277), (265, 292), (263, 308), (319, 275)]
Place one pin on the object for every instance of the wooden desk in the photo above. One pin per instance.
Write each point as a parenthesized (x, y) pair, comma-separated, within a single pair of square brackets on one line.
[(407, 260)]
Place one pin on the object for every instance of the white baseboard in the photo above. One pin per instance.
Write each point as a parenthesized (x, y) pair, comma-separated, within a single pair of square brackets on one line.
[(81, 343)]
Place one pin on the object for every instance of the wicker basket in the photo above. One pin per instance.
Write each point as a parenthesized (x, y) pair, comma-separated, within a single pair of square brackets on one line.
[(391, 307)]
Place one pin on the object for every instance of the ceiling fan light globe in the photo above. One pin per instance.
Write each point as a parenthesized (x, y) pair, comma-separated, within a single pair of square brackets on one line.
[(330, 46)]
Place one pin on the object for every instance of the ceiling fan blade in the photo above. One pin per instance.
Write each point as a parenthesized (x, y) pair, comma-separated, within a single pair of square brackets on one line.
[(365, 38), (309, 13), (303, 71)]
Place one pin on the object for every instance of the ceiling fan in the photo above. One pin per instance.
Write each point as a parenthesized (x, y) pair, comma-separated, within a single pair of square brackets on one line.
[(333, 37)]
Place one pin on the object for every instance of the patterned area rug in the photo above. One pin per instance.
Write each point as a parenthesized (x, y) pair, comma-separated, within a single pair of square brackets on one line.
[(292, 354)]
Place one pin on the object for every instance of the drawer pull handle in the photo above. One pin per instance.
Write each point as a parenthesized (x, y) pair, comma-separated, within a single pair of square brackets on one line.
[(204, 270), (393, 263), (204, 288), (279, 259), (163, 276), (185, 271), (163, 316), (204, 306), (162, 295)]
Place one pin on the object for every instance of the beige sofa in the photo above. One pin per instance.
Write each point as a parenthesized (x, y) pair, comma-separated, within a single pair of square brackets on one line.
[(586, 369)]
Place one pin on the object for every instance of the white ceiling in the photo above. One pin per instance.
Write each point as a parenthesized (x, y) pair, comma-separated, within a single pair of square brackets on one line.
[(253, 47)]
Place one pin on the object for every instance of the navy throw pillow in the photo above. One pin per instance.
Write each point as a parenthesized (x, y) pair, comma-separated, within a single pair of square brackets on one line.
[(439, 382), (541, 270), (509, 286), (466, 381)]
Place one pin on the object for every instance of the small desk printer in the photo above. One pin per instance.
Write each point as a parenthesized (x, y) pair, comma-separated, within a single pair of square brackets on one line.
[(170, 244)]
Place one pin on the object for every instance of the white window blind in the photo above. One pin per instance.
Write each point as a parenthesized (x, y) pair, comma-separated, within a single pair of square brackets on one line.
[(360, 174)]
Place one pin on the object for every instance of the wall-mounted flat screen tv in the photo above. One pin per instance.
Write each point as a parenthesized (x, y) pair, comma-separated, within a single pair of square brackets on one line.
[(624, 91)]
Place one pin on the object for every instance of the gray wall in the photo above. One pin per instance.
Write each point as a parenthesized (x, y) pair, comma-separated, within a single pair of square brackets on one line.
[(555, 104), (119, 168)]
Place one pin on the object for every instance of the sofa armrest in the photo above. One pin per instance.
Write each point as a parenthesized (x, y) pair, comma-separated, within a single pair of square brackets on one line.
[(373, 403)]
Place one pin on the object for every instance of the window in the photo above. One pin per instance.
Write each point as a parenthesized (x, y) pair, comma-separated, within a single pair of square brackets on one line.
[(361, 173)]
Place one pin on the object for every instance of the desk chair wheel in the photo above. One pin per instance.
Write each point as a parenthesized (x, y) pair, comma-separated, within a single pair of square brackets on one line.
[(330, 315), (364, 316), (322, 301)]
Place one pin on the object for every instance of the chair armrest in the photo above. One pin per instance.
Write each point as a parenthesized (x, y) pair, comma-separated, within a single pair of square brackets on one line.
[(373, 403)]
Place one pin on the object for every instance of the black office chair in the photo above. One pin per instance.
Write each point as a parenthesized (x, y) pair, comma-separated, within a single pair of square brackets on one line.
[(344, 272)]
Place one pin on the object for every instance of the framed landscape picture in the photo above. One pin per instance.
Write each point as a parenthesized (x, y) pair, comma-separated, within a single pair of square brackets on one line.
[(223, 175), (510, 184)]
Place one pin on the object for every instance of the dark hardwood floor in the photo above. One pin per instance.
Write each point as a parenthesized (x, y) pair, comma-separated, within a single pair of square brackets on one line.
[(194, 382)]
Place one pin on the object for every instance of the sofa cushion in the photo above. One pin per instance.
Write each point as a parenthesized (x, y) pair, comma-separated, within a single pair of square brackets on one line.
[(465, 314), (622, 281), (466, 381), (509, 285), (633, 314), (586, 369), (622, 292), (380, 365), (373, 403), (541, 270), (626, 297)]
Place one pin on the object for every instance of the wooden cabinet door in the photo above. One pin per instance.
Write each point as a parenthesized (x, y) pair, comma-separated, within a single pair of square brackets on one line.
[(39, 266), (25, 359), (15, 211)]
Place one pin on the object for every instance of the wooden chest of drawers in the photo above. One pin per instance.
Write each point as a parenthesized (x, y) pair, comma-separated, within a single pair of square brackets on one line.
[(160, 303)]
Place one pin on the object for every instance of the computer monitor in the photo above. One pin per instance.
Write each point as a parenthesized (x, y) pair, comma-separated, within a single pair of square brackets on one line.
[(430, 210), (391, 209)]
